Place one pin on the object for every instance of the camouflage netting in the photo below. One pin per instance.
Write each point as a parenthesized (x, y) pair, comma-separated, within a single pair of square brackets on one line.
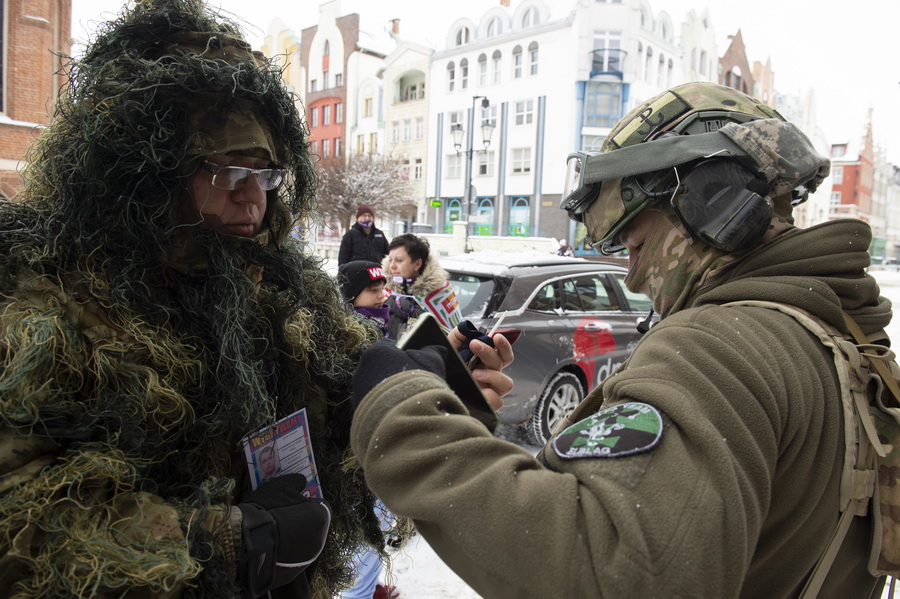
[(153, 396)]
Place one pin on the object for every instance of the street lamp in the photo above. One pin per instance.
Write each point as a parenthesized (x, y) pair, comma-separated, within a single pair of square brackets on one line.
[(487, 128)]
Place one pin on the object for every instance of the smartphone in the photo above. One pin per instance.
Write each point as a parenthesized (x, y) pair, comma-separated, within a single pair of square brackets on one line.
[(426, 331)]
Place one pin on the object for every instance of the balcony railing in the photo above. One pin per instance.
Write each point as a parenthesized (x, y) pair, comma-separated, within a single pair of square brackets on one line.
[(608, 60), (410, 96)]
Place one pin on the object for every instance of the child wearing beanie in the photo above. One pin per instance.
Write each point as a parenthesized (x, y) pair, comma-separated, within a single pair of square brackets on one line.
[(362, 285)]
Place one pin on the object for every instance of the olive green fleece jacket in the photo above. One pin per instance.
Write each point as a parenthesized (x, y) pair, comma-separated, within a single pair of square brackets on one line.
[(738, 498)]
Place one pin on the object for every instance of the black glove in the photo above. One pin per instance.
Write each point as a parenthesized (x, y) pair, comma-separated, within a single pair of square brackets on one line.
[(382, 359), (283, 531), (472, 334)]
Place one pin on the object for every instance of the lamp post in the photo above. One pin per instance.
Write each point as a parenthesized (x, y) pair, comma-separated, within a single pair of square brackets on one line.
[(487, 128)]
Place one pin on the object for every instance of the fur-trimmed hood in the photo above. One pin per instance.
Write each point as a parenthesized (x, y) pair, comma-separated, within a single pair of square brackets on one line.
[(433, 277)]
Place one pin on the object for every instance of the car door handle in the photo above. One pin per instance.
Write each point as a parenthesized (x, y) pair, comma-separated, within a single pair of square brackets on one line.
[(593, 326)]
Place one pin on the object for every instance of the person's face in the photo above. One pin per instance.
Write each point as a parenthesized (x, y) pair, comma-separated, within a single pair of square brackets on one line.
[(267, 461), (365, 220), (232, 212), (402, 265), (634, 234), (372, 296)]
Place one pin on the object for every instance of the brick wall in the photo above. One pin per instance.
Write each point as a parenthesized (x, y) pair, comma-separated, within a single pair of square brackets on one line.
[(37, 33)]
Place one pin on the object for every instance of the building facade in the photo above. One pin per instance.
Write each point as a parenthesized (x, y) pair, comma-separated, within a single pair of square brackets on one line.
[(33, 36)]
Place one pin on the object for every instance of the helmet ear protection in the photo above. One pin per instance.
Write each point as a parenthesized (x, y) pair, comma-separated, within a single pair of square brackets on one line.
[(724, 204)]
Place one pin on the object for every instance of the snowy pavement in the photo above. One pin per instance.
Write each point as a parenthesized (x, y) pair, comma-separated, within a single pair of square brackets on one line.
[(419, 573)]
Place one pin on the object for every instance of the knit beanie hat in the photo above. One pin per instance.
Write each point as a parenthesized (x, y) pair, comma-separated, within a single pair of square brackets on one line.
[(355, 276), (363, 209)]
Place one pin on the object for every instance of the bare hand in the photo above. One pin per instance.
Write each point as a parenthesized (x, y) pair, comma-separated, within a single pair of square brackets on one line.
[(494, 384)]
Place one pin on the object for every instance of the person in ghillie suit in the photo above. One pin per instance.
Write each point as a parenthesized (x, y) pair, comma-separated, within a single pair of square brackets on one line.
[(154, 309)]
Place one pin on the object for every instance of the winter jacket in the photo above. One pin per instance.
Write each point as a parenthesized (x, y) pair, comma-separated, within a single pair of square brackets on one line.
[(708, 465), (358, 245), (410, 299)]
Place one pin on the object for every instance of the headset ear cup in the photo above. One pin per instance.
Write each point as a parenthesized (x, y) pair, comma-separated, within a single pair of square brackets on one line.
[(717, 205)]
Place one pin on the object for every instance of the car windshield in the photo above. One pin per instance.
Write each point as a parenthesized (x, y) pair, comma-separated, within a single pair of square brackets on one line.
[(472, 292)]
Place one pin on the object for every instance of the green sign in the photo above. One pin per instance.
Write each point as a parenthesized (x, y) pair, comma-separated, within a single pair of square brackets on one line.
[(436, 203)]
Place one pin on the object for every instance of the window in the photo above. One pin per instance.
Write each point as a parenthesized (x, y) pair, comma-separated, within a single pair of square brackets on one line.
[(420, 127), (482, 70), (648, 68), (489, 116), (835, 198), (417, 170), (337, 146), (837, 175), (547, 299), (462, 36), (517, 62), (455, 117), (314, 117), (339, 112), (454, 166), (519, 216), (529, 18), (313, 86), (314, 147), (360, 144), (607, 52), (485, 164), (367, 107), (326, 114), (533, 58), (589, 293), (395, 131), (637, 302), (661, 73), (524, 112), (493, 28), (592, 143), (373, 143), (407, 123), (327, 49), (521, 160), (325, 80), (602, 104), (338, 80), (495, 62), (404, 171), (838, 151), (451, 77), (326, 147), (463, 74), (703, 62)]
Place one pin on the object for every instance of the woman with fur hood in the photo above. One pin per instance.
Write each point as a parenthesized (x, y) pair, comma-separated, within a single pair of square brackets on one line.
[(418, 283)]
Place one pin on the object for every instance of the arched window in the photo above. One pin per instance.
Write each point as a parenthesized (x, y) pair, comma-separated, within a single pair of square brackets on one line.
[(529, 18), (648, 68), (463, 74), (482, 70), (494, 27), (495, 66), (519, 216), (327, 49), (462, 36), (484, 206), (517, 62), (452, 213), (669, 70), (703, 62), (533, 58), (661, 74), (640, 58), (451, 77)]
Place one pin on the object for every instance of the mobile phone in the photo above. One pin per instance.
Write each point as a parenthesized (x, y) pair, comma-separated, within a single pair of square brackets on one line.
[(426, 331)]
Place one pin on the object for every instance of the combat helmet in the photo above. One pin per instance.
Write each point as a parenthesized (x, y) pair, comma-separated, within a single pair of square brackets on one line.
[(724, 161)]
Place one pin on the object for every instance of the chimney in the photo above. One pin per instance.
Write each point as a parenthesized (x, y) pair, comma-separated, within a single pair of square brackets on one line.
[(504, 3), (395, 26)]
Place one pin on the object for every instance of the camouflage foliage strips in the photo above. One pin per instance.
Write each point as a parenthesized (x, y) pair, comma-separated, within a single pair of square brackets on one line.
[(184, 339)]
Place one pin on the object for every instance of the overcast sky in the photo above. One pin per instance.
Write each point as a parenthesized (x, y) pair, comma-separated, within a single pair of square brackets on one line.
[(846, 51)]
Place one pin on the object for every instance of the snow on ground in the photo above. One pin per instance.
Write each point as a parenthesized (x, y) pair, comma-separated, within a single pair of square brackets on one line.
[(419, 573)]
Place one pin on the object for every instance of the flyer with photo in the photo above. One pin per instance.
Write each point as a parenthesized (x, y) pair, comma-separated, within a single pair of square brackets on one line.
[(283, 448)]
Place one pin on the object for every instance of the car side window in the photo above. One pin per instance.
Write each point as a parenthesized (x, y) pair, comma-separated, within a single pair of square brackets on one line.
[(638, 302), (571, 301), (546, 299), (595, 293)]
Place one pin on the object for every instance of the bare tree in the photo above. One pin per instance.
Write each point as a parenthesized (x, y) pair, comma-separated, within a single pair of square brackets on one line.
[(377, 181)]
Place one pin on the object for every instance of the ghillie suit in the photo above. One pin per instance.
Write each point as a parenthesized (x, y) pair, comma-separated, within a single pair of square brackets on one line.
[(137, 351)]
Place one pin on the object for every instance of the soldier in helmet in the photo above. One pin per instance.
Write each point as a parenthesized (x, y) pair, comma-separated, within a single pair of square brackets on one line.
[(710, 464)]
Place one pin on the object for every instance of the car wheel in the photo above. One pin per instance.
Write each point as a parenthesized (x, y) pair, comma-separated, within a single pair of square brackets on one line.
[(560, 397)]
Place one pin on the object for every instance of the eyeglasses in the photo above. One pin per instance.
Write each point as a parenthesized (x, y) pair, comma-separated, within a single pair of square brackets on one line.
[(232, 177)]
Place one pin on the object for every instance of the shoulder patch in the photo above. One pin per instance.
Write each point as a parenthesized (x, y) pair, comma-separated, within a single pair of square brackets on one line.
[(621, 430)]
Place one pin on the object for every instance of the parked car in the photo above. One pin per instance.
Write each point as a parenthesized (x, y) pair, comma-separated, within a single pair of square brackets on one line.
[(572, 322)]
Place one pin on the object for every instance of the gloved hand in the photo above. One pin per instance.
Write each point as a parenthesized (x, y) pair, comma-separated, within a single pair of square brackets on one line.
[(283, 532), (382, 359)]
